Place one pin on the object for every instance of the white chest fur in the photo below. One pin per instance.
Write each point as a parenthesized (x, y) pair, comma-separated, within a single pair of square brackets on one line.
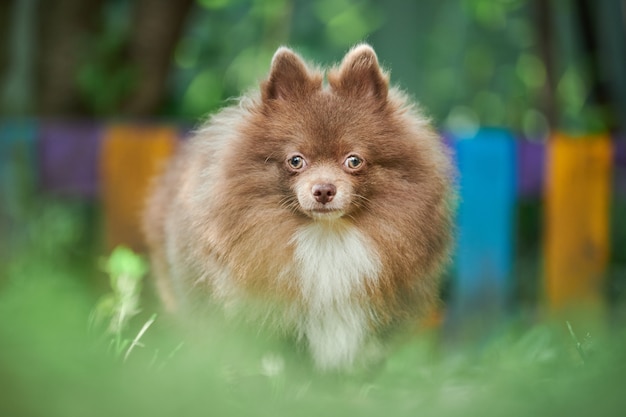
[(335, 264)]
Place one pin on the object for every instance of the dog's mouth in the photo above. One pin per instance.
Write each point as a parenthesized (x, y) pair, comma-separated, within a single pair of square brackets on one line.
[(325, 213)]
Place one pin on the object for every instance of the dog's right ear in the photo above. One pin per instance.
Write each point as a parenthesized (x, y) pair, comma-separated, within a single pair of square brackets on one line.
[(360, 75), (289, 77)]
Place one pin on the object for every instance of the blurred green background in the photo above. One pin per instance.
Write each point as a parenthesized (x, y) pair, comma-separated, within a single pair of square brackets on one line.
[(530, 66), (522, 64)]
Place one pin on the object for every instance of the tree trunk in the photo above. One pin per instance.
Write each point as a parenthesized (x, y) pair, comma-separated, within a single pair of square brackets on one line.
[(156, 28), (64, 25)]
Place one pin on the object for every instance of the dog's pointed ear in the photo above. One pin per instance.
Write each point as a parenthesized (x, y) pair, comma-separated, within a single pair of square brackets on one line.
[(289, 77), (359, 74)]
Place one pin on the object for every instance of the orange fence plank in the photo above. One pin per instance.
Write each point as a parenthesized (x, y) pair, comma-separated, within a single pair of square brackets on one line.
[(577, 219), (131, 155)]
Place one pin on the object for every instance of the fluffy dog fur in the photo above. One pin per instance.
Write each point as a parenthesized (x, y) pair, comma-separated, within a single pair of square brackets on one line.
[(321, 210)]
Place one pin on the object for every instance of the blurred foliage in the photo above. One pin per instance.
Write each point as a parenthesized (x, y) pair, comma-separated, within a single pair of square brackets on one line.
[(105, 78), (468, 62), (485, 71)]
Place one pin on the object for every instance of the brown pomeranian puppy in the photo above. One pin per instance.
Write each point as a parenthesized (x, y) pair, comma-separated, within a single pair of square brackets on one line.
[(319, 209)]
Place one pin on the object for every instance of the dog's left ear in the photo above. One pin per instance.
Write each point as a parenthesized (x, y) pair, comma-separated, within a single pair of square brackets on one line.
[(359, 74)]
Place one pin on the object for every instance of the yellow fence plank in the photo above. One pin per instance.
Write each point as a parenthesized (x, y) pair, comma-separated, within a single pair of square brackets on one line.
[(131, 155), (577, 219)]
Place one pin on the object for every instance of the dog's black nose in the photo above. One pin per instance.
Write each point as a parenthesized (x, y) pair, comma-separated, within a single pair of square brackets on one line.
[(324, 193)]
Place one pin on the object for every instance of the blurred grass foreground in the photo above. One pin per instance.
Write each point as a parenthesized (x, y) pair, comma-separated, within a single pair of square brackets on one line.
[(67, 351)]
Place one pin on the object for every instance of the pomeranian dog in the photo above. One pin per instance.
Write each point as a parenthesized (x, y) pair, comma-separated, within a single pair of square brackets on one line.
[(320, 209)]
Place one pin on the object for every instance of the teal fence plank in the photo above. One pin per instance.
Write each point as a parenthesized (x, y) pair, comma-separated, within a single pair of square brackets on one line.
[(17, 161), (17, 175)]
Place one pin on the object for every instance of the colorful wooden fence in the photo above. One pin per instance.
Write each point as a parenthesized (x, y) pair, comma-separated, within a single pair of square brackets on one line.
[(114, 163)]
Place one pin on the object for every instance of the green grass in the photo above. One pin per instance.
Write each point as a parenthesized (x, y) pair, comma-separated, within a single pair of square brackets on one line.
[(60, 355)]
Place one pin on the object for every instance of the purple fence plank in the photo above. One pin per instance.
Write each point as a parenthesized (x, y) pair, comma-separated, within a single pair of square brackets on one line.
[(531, 158), (69, 158)]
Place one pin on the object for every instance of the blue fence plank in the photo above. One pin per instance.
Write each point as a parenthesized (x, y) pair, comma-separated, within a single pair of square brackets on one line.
[(68, 153), (488, 188)]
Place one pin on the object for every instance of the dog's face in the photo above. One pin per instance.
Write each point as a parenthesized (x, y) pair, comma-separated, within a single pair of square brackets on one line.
[(323, 163), (322, 140)]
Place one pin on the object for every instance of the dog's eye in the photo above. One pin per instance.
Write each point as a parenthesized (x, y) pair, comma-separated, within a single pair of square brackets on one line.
[(353, 162), (296, 162)]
